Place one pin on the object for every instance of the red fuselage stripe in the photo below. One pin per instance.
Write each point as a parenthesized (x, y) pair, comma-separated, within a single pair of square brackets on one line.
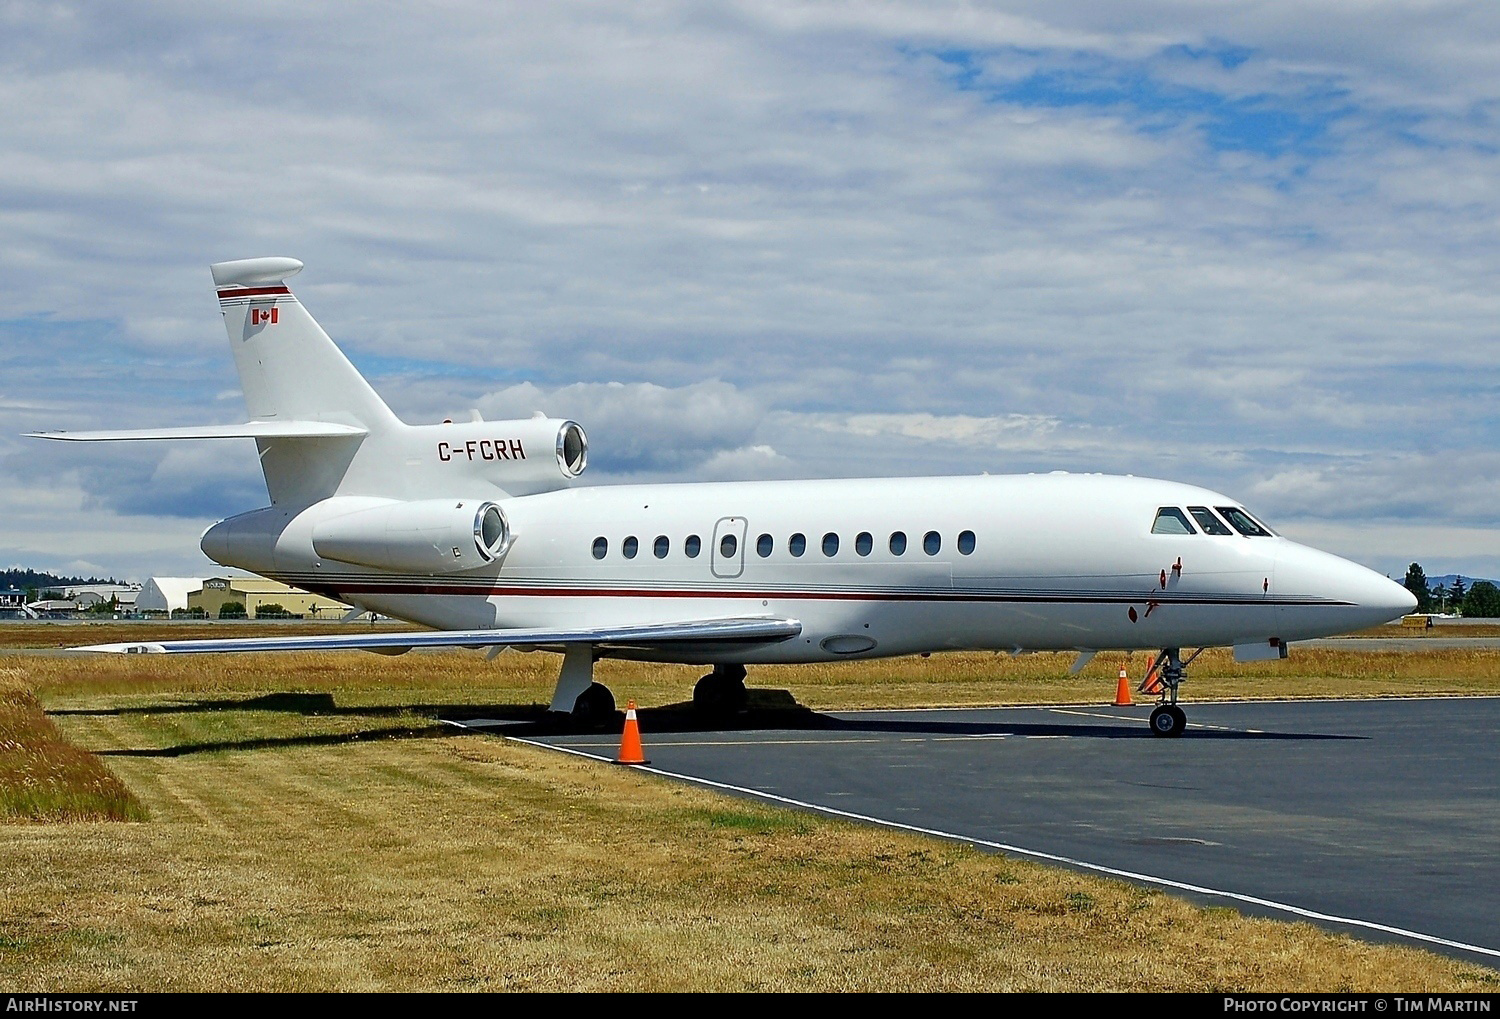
[(605, 592)]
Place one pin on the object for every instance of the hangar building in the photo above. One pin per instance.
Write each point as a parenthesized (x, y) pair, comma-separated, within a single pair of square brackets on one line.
[(167, 594), (256, 593)]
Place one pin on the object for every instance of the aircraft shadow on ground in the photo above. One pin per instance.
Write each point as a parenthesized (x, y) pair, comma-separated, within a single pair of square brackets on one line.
[(767, 710), (435, 731), (315, 704), (779, 710)]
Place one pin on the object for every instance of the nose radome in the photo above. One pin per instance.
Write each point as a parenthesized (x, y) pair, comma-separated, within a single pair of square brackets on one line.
[(1405, 600), (1380, 599), (1308, 572), (1382, 596)]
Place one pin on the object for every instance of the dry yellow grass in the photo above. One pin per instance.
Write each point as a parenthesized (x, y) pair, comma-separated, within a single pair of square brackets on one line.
[(466, 862), (970, 678), (45, 778), (1468, 629), (313, 828)]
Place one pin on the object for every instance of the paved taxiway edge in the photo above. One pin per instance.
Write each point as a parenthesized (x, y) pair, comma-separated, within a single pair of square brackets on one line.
[(1067, 861)]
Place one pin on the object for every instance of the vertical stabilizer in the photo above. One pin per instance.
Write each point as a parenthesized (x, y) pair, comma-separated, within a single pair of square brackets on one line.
[(289, 368), (291, 371)]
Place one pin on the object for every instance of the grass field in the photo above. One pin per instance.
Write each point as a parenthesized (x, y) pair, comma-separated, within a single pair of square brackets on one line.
[(311, 827), (449, 678), (45, 778)]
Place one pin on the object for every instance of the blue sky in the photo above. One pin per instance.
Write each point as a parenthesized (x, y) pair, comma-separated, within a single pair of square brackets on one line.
[(1293, 120), (1248, 246)]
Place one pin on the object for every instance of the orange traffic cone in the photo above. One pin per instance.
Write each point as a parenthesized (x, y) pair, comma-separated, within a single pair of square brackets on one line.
[(1151, 684), (1122, 690), (630, 740)]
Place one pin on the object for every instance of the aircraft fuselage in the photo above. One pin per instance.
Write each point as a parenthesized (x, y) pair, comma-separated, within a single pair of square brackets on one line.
[(886, 567)]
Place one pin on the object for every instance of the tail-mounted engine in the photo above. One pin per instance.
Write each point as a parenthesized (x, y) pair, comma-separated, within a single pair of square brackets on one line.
[(517, 456), (428, 536)]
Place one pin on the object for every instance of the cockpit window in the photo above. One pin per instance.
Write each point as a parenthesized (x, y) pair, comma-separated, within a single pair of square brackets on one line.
[(1243, 522), (1171, 520), (1206, 520)]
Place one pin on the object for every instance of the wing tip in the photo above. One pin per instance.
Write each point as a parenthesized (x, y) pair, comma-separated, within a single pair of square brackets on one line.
[(122, 649)]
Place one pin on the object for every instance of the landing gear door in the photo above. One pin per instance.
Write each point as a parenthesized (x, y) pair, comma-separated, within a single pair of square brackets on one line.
[(727, 555)]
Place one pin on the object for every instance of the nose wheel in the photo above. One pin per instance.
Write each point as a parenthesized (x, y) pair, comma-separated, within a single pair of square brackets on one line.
[(1170, 669), (1168, 720)]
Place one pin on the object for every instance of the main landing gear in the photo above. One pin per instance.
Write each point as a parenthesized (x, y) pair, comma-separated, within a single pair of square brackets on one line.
[(721, 693), (577, 695), (1170, 669), (594, 706), (718, 695)]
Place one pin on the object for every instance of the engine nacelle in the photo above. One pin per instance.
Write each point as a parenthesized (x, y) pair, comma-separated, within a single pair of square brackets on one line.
[(428, 536), (523, 455)]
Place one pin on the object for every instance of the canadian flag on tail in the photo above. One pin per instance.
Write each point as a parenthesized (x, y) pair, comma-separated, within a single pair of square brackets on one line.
[(264, 316)]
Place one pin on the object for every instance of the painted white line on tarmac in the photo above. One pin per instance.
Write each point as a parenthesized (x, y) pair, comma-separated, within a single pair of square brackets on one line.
[(1003, 847), (1229, 702), (1191, 725), (657, 741)]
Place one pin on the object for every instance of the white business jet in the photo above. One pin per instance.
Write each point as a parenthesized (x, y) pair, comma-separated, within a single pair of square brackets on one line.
[(480, 530)]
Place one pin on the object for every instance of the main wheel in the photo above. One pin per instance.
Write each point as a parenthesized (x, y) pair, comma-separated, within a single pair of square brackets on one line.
[(1168, 720), (594, 706), (718, 696)]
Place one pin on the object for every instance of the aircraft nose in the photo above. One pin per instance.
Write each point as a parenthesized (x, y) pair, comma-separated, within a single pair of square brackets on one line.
[(1384, 598), (1368, 599)]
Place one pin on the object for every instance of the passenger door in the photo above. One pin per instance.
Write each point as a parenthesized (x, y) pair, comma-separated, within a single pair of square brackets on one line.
[(727, 555)]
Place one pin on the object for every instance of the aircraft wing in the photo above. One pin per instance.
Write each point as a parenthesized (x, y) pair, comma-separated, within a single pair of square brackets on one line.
[(700, 631)]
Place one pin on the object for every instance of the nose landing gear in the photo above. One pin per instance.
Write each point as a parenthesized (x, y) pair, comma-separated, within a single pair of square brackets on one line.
[(1170, 670), (1168, 720)]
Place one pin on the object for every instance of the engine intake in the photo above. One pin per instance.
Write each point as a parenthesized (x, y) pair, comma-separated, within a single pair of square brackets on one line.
[(427, 536)]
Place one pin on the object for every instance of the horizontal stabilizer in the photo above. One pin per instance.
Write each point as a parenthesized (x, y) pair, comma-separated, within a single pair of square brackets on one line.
[(249, 430), (701, 631), (247, 272)]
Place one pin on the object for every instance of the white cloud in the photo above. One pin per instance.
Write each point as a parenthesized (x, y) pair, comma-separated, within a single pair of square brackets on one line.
[(786, 226)]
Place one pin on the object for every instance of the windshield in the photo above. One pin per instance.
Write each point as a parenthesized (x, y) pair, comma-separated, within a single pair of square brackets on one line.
[(1206, 520), (1243, 522)]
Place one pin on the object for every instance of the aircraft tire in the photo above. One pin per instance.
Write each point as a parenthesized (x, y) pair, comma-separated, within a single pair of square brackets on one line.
[(717, 696), (594, 706), (1168, 720)]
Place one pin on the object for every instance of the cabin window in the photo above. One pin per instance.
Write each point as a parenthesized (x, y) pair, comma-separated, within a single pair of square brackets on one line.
[(692, 546), (1171, 520), (1243, 522), (966, 543), (601, 548), (727, 546), (898, 543), (763, 545), (1206, 520), (630, 546), (797, 545), (863, 543), (932, 542), (830, 544), (661, 546)]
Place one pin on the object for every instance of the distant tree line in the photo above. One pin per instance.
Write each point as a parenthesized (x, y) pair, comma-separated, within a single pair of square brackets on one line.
[(1481, 600), (38, 584)]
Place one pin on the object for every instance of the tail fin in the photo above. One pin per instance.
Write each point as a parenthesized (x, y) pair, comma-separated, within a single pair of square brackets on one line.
[(289, 369), (311, 413)]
